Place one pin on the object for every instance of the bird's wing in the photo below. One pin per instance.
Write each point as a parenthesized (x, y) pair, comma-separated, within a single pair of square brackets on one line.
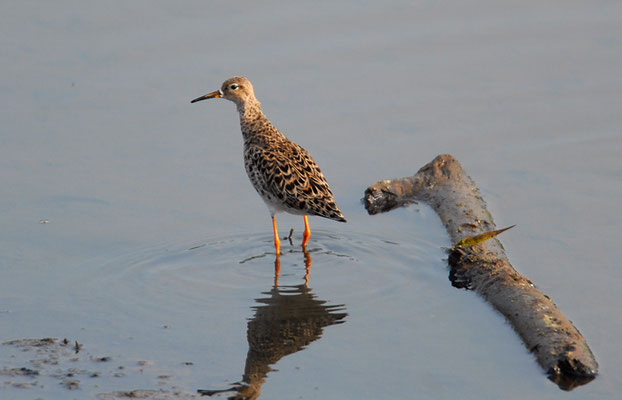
[(290, 174)]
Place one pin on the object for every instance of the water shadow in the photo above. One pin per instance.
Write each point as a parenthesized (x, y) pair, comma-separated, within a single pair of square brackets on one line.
[(287, 319)]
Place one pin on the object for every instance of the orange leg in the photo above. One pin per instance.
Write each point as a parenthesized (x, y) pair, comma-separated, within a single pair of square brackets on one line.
[(307, 265), (277, 242), (277, 270), (307, 234)]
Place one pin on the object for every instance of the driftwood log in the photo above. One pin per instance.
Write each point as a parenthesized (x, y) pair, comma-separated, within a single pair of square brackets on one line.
[(443, 184)]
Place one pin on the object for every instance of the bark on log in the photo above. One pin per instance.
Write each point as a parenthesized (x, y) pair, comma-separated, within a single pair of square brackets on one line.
[(558, 346)]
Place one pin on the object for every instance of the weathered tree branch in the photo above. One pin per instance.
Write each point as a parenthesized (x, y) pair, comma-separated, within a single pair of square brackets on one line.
[(558, 346)]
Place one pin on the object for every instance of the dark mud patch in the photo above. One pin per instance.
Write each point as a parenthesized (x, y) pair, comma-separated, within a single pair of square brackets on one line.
[(148, 394), (57, 366)]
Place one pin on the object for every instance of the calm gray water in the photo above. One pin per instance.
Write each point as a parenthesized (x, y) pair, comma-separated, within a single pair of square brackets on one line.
[(156, 250)]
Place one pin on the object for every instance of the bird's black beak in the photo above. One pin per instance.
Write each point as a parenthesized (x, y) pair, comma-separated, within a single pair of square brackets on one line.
[(213, 95)]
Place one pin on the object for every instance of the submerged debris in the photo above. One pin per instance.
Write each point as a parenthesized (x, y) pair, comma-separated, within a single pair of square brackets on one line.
[(71, 384), (19, 372), (101, 359), (148, 394), (28, 344)]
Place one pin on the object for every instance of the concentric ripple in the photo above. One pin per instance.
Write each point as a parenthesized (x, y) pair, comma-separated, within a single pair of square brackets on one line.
[(235, 269)]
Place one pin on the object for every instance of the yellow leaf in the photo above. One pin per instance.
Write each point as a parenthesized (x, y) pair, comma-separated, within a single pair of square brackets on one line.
[(482, 237)]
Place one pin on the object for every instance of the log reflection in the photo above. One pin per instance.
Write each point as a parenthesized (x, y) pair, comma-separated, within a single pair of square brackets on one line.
[(287, 319)]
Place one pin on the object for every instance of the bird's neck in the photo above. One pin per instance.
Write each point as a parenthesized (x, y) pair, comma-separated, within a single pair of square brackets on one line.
[(253, 121), (250, 110)]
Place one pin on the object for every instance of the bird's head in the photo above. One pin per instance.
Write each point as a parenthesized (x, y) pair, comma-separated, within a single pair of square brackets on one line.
[(237, 89)]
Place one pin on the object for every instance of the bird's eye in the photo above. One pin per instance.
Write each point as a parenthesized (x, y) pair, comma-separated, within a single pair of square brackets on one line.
[(234, 86)]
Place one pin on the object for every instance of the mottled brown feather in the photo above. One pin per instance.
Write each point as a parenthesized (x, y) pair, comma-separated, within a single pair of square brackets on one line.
[(291, 177)]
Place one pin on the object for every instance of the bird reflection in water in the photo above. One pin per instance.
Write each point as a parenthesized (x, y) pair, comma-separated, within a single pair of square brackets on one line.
[(277, 267), (286, 321)]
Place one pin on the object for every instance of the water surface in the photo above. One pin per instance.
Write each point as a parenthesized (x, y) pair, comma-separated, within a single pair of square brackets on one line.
[(129, 224)]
